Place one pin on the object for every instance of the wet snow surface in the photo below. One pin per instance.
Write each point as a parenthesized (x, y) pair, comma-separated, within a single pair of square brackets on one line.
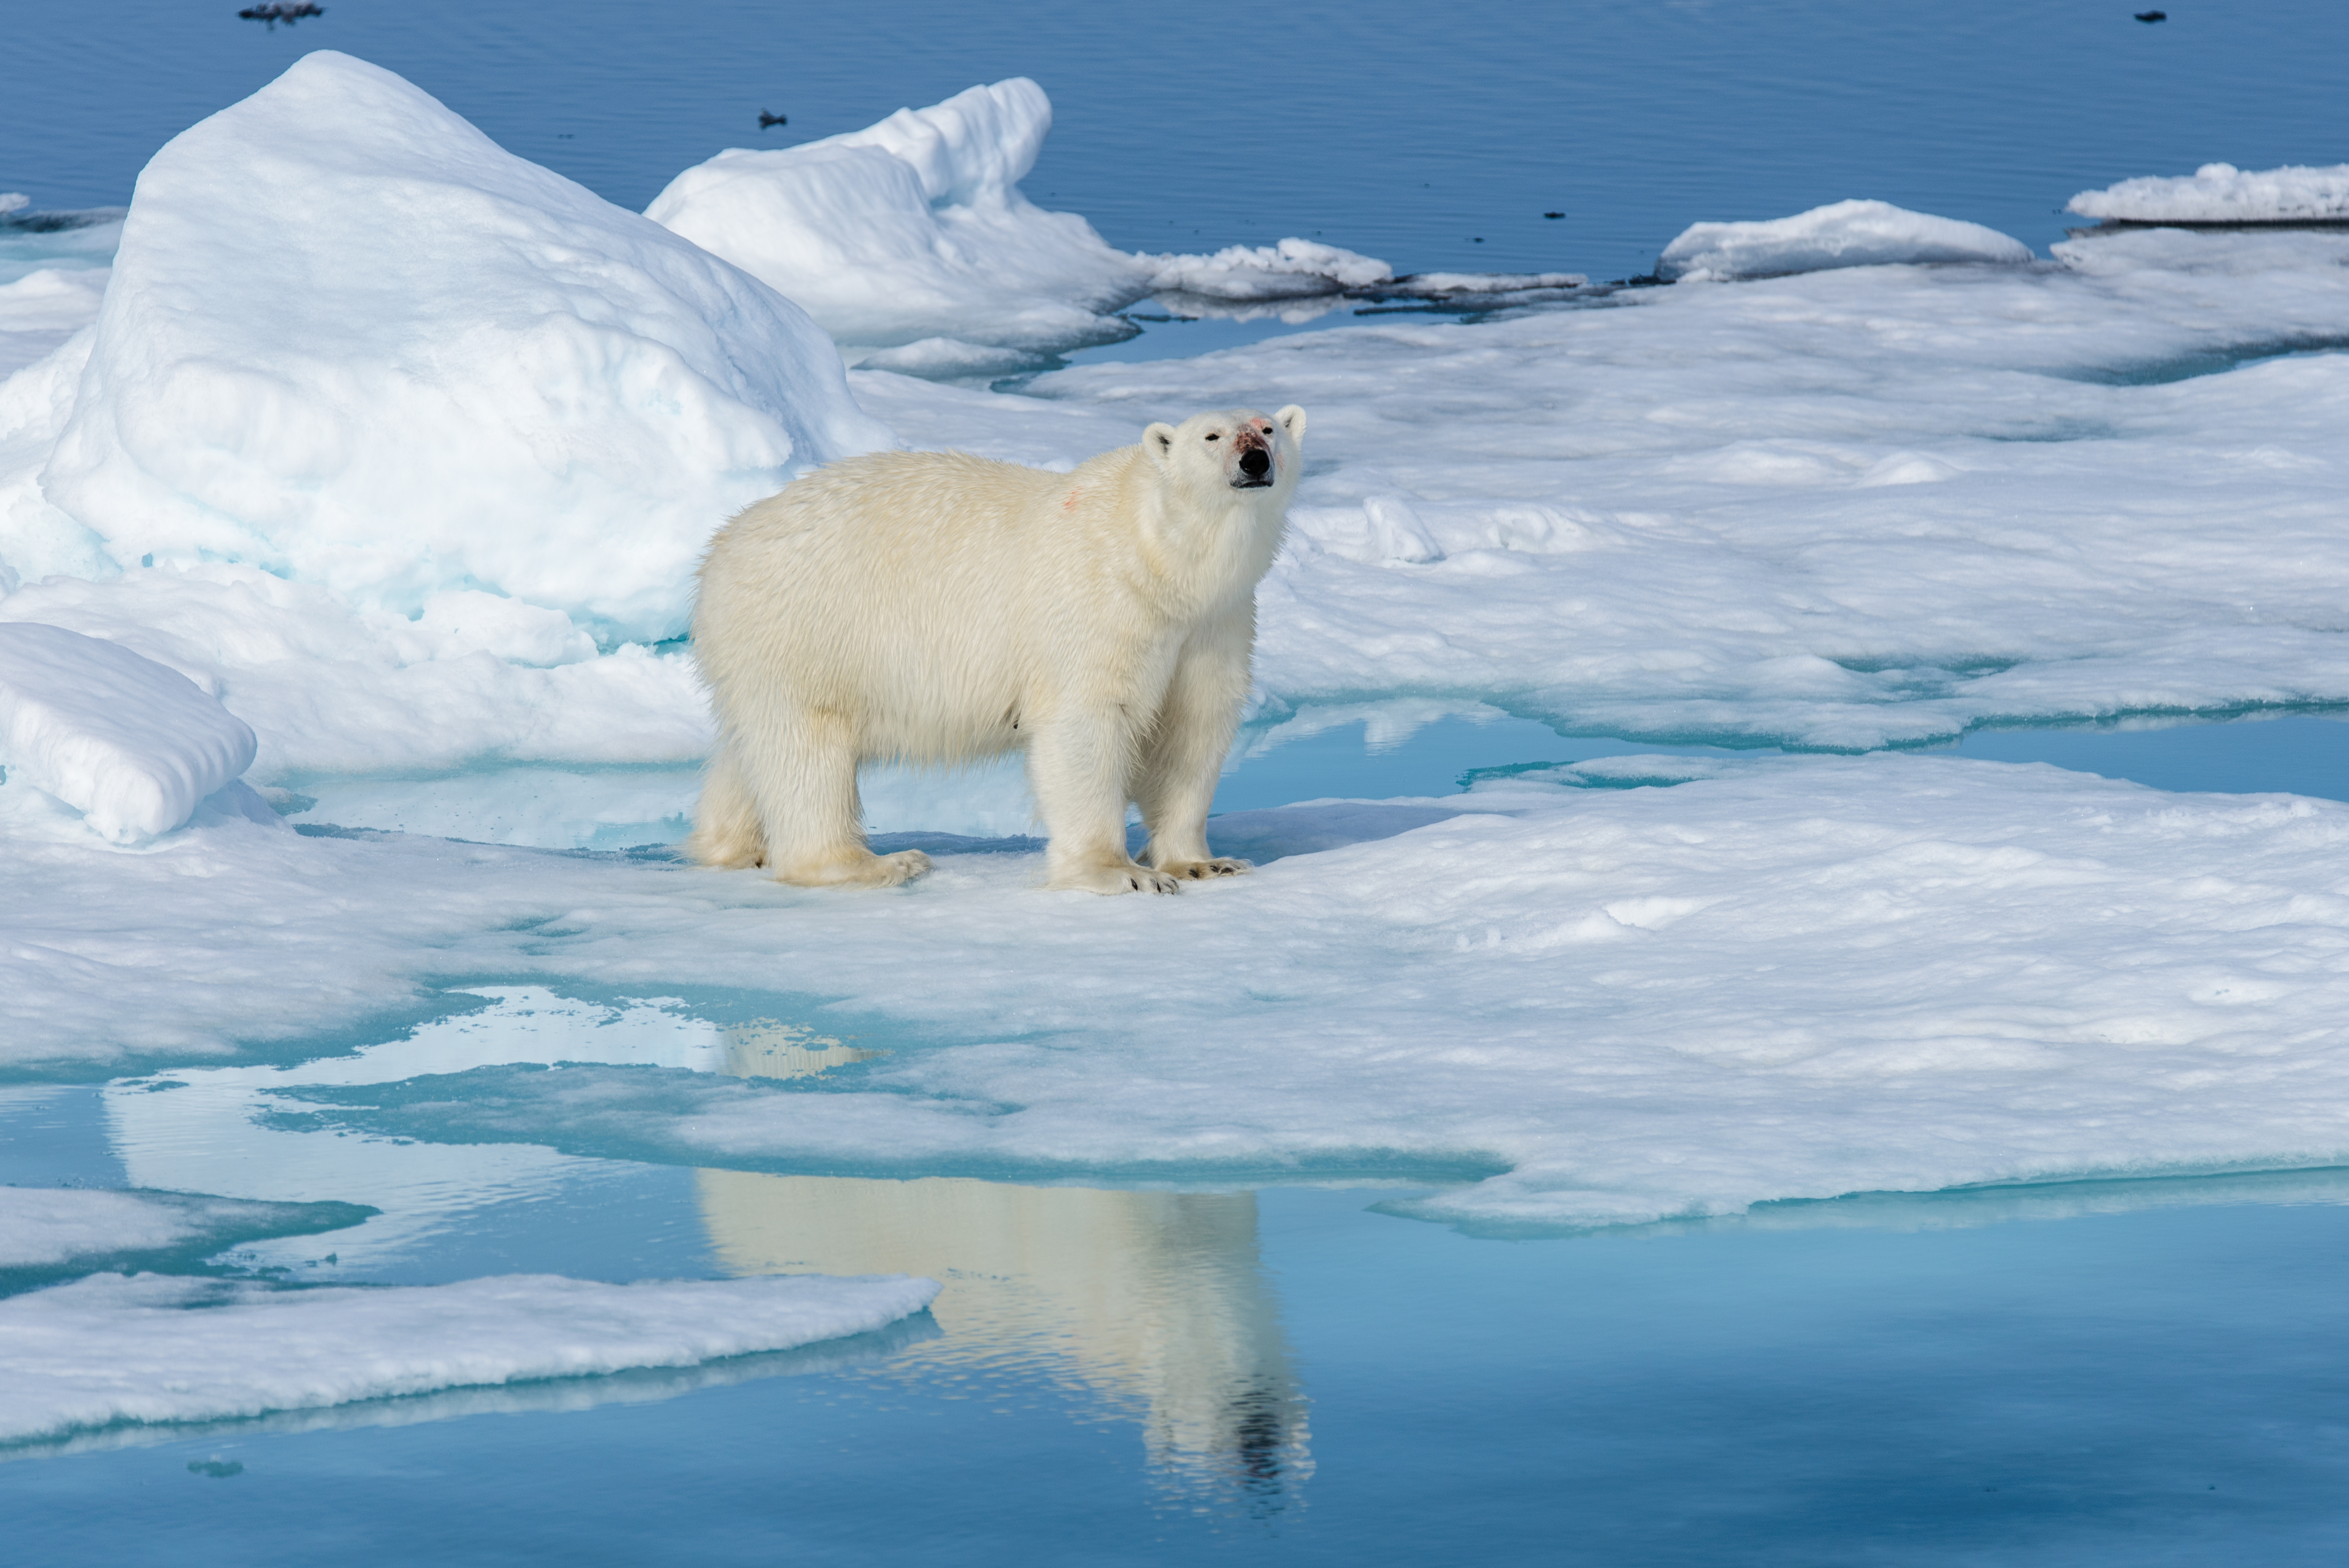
[(1669, 969)]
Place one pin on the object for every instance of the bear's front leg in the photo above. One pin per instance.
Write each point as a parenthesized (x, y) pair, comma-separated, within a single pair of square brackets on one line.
[(1182, 759), (1077, 766)]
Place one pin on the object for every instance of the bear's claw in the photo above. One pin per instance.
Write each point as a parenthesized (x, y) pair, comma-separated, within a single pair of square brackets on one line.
[(1201, 870), (1130, 877)]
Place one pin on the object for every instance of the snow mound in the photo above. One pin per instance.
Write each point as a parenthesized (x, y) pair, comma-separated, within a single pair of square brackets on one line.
[(151, 1348), (132, 744), (911, 242), (1843, 234), (2223, 193), (414, 362), (915, 229), (52, 1227)]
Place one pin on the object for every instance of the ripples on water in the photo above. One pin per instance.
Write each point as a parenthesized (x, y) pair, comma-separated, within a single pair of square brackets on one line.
[(1391, 128)]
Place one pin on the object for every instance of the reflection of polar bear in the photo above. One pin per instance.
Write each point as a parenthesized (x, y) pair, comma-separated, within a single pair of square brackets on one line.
[(933, 608)]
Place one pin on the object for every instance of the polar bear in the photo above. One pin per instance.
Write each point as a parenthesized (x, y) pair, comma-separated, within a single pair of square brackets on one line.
[(937, 608)]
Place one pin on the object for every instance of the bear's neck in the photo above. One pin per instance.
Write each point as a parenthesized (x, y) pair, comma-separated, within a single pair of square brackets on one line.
[(1205, 557)]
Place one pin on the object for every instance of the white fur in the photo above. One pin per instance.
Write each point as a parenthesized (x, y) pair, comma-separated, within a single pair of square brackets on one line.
[(937, 608)]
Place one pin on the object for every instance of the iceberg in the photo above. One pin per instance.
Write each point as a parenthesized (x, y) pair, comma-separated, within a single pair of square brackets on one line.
[(151, 1348), (2223, 193), (130, 744), (1842, 234), (414, 363)]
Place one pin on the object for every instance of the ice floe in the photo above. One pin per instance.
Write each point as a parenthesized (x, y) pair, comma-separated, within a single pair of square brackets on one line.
[(1800, 978), (417, 363), (51, 1229), (150, 1348), (131, 745), (2223, 193), (1842, 234)]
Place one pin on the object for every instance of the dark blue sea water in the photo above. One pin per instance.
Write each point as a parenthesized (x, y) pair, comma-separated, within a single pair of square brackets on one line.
[(2130, 1374), (1434, 137)]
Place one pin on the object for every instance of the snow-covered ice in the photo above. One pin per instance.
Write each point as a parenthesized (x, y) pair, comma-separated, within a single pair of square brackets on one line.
[(416, 363), (1801, 978), (2223, 193), (87, 1228), (152, 1348), (1845, 509), (1842, 234), (130, 744), (915, 229)]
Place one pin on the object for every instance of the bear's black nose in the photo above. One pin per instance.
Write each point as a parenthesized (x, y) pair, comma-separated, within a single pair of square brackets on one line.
[(1254, 463)]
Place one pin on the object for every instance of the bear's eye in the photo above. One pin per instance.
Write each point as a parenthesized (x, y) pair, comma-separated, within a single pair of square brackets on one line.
[(1214, 437)]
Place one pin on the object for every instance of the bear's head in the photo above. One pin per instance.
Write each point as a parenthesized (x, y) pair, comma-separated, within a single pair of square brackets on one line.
[(1231, 454)]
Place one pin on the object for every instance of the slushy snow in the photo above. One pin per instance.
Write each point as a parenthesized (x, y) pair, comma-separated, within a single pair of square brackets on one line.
[(416, 363), (1843, 234), (2223, 193), (152, 1348), (130, 744)]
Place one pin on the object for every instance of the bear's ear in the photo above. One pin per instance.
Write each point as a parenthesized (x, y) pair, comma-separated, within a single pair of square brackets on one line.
[(1292, 419), (1159, 442)]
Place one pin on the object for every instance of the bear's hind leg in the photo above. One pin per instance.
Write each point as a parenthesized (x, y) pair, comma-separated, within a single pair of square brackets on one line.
[(814, 821), (726, 831), (1183, 760)]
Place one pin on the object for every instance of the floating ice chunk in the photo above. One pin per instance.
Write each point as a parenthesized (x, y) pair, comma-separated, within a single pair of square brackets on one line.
[(410, 361), (1844, 235), (2223, 193), (46, 1228), (915, 229), (1440, 284), (911, 242), (151, 1348), (1291, 269), (132, 744)]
